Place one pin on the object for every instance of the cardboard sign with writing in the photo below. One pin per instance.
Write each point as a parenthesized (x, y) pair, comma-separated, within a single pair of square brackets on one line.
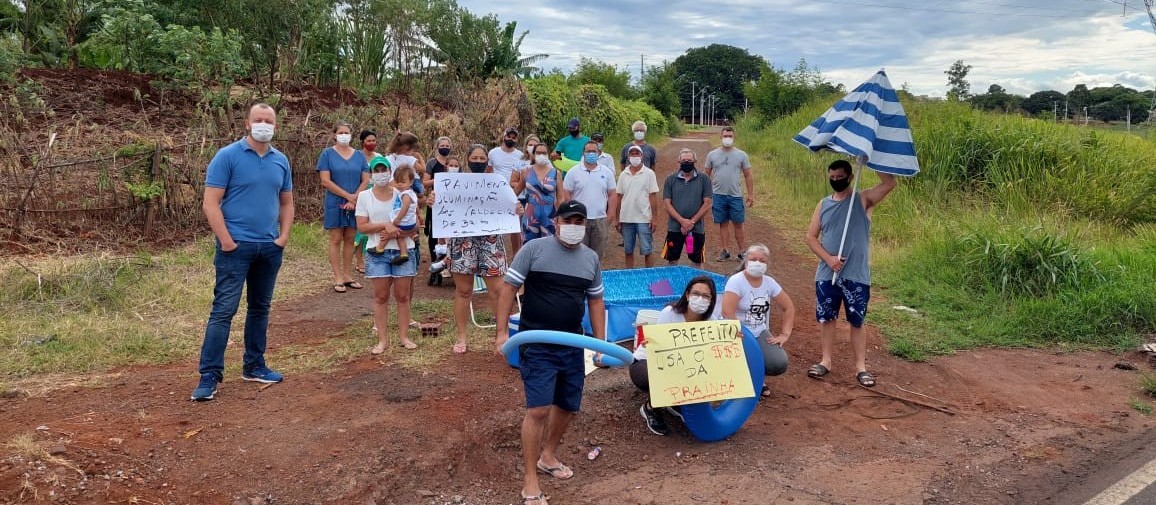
[(473, 205), (696, 362)]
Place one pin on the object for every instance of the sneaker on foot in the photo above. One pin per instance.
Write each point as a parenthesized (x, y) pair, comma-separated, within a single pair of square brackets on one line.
[(400, 260), (741, 256), (206, 389), (437, 267), (654, 423), (724, 255), (263, 375), (674, 412)]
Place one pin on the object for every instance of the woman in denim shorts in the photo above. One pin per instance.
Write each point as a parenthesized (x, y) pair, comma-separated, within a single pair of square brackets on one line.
[(373, 209)]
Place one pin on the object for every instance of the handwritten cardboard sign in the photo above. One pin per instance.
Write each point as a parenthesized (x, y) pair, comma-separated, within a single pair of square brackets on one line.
[(696, 362), (473, 205)]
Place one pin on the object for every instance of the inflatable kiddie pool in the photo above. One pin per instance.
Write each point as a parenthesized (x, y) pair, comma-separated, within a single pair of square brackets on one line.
[(706, 421)]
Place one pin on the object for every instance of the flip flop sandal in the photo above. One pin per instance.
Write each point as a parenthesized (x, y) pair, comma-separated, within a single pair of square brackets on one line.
[(766, 391), (538, 499), (459, 348), (817, 371), (339, 288), (353, 285), (560, 472), (865, 379)]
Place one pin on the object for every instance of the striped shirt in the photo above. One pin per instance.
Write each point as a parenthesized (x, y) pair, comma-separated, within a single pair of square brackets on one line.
[(558, 281)]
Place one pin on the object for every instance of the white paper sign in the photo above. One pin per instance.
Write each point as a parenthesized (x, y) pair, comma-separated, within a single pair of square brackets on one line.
[(474, 205)]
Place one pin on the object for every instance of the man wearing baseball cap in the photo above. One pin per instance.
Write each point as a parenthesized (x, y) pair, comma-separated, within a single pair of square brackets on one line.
[(604, 158), (506, 160), (561, 279), (571, 146)]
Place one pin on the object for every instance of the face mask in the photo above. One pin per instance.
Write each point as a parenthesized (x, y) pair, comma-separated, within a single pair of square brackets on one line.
[(591, 158), (698, 304), (541, 159), (574, 133), (444, 151), (635, 161), (686, 166), (728, 141), (477, 167), (344, 138), (369, 146), (571, 234), (454, 169), (261, 132), (756, 268), (639, 135), (509, 143), (380, 179), (840, 184)]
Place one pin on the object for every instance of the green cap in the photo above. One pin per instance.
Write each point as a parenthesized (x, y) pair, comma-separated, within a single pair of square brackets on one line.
[(379, 160)]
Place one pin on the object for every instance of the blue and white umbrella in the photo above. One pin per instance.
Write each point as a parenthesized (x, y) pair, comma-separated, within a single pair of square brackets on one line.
[(870, 125)]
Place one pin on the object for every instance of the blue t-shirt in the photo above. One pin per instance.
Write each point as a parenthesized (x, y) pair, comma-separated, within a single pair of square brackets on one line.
[(253, 185), (345, 172), (571, 147)]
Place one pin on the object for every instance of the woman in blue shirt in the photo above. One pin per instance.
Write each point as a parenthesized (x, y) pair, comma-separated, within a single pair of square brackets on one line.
[(344, 173)]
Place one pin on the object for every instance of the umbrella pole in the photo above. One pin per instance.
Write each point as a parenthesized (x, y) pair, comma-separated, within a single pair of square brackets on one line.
[(850, 207)]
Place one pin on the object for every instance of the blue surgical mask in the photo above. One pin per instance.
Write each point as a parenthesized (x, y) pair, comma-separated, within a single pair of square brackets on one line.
[(591, 158)]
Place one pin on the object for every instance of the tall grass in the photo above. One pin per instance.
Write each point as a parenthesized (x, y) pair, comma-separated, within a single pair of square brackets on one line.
[(1017, 232)]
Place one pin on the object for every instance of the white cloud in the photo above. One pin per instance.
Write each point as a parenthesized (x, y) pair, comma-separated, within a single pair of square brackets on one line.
[(1022, 45)]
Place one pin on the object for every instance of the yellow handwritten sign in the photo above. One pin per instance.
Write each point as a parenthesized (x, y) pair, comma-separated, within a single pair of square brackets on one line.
[(696, 362)]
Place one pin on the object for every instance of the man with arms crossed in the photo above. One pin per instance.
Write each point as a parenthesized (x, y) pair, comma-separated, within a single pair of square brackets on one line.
[(249, 205), (562, 279), (852, 286)]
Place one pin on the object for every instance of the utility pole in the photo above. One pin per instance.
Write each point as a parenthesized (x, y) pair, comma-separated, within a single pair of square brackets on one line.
[(1055, 106), (702, 107), (1129, 120), (1065, 110), (1085, 115), (692, 102), (1152, 20), (641, 70)]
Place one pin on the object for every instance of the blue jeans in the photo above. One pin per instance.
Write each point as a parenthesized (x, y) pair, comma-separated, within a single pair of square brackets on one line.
[(255, 264), (640, 233)]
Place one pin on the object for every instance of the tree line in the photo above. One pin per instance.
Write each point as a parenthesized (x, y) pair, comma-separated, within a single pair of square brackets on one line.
[(1104, 103)]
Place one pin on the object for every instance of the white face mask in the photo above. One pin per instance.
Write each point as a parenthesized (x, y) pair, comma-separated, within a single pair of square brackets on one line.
[(698, 304), (572, 234), (261, 132), (344, 138), (453, 169), (635, 161), (639, 135), (541, 159), (756, 268), (728, 141), (380, 179)]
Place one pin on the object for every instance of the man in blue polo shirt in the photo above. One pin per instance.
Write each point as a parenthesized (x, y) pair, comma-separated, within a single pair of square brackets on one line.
[(562, 279), (249, 206), (571, 146)]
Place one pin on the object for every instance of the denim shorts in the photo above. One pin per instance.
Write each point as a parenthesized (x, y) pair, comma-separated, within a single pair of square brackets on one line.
[(726, 208), (378, 265), (552, 375), (641, 231), (336, 217), (853, 296)]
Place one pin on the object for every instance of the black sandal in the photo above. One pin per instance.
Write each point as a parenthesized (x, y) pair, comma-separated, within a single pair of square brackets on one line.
[(865, 379), (817, 371)]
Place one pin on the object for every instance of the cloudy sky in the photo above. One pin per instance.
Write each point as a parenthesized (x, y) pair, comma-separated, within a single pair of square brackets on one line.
[(1022, 45)]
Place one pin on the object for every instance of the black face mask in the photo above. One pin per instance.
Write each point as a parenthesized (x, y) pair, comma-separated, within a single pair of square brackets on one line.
[(509, 143), (686, 166), (477, 167), (840, 184), (444, 151), (574, 133)]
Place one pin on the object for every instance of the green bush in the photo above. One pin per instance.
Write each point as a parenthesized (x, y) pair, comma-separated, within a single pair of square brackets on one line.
[(1034, 263), (11, 57), (555, 101)]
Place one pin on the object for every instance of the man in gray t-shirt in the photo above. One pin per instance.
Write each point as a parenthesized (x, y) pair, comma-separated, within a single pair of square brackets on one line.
[(726, 166), (844, 279)]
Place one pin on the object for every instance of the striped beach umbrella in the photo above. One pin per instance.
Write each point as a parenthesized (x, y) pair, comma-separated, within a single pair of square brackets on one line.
[(868, 124)]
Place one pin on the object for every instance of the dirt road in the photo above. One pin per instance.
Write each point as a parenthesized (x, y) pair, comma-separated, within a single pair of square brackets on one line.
[(1025, 423)]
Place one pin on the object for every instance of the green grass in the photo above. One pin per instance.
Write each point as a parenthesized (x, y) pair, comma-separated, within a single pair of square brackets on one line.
[(1017, 233), (1141, 406), (1148, 384)]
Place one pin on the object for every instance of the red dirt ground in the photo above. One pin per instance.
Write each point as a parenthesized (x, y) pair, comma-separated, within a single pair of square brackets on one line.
[(1026, 423)]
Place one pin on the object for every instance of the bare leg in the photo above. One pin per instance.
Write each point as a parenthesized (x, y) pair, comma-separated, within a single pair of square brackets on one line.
[(463, 289), (859, 346), (401, 293), (648, 260), (722, 236), (347, 254), (533, 428), (515, 244), (630, 260), (827, 342), (381, 288), (336, 236), (740, 238), (559, 421)]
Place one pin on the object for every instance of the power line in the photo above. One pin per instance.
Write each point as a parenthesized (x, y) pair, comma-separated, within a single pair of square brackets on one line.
[(952, 11), (1015, 6)]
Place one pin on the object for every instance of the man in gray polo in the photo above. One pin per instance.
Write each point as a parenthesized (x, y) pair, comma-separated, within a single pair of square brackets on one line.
[(725, 166), (686, 196)]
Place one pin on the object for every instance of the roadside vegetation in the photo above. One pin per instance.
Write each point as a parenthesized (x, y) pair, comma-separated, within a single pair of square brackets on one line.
[(1017, 232)]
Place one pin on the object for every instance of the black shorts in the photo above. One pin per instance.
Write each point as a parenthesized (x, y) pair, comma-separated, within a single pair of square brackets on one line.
[(676, 243)]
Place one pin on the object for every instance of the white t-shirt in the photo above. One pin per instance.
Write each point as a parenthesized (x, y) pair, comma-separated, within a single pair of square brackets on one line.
[(378, 211), (505, 163), (754, 310), (668, 316)]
